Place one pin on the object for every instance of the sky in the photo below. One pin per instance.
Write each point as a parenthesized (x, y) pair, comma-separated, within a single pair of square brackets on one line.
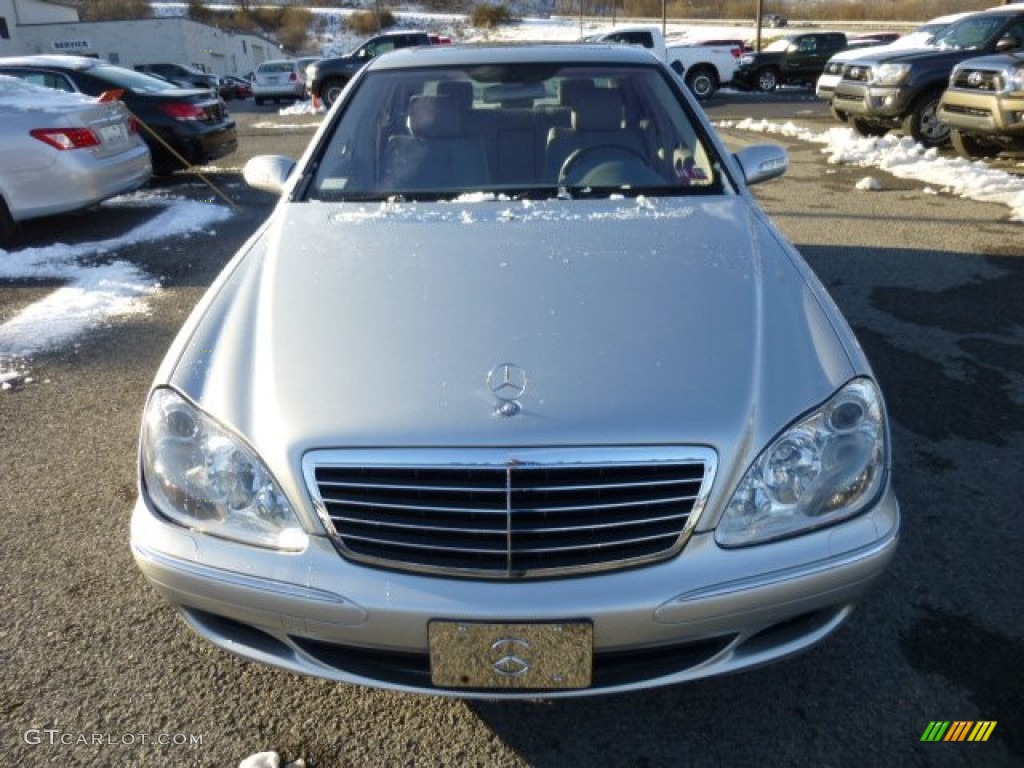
[(99, 286)]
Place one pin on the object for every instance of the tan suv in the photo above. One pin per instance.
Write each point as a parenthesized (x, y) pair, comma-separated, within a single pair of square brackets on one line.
[(984, 105)]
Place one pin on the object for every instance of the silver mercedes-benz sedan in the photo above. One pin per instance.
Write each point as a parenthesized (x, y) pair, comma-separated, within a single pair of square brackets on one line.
[(517, 393)]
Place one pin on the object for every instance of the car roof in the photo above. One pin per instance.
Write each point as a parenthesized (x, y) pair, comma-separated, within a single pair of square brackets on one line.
[(512, 53), (54, 60)]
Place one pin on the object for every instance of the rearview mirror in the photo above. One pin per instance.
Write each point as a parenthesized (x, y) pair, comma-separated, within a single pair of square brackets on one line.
[(762, 162)]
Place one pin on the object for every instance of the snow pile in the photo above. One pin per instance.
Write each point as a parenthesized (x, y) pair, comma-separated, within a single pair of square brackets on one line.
[(269, 760), (94, 292), (905, 159)]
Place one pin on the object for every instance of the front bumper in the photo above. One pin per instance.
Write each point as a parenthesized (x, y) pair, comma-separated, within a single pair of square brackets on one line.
[(705, 612), (983, 113), (874, 102), (744, 78)]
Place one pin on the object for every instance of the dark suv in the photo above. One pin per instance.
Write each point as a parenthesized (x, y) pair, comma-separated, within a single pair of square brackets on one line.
[(793, 59), (327, 78), (902, 89)]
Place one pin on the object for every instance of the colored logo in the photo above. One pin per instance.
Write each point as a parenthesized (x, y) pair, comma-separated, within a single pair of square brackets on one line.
[(958, 730)]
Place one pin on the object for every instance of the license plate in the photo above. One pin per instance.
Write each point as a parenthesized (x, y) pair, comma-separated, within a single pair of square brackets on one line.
[(553, 656), (112, 134)]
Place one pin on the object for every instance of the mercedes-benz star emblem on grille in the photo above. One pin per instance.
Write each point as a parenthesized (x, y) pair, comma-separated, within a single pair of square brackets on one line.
[(510, 652), (974, 79), (855, 72), (507, 382)]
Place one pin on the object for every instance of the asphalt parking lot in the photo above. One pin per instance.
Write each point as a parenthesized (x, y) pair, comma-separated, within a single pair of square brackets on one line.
[(96, 670)]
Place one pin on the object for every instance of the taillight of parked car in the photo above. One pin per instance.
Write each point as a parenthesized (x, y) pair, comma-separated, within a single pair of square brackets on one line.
[(133, 124), (183, 110), (736, 52), (66, 138)]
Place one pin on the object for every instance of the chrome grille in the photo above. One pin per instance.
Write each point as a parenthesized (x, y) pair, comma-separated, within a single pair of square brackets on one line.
[(977, 80), (521, 514)]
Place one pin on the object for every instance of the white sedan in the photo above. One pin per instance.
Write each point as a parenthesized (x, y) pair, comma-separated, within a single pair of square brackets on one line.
[(63, 151)]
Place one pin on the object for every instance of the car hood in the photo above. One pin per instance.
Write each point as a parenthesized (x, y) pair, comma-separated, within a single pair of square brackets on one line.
[(636, 322), (938, 57)]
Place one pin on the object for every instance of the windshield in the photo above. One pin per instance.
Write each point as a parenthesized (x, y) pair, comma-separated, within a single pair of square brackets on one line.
[(513, 129), (128, 78), (972, 32), (777, 46)]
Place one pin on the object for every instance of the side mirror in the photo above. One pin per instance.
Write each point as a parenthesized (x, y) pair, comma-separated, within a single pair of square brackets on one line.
[(762, 162), (1008, 43), (268, 173)]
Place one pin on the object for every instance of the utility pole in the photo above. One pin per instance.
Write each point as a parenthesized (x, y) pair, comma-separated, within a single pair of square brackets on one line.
[(757, 22)]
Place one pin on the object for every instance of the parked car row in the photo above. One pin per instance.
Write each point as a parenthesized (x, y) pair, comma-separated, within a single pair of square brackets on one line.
[(963, 85)]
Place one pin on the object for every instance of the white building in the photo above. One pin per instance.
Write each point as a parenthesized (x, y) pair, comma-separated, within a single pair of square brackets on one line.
[(16, 13), (33, 26)]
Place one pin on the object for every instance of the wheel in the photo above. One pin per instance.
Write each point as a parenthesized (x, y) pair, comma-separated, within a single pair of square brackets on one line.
[(768, 79), (259, 101), (923, 124), (702, 81), (332, 90), (608, 165), (838, 114), (972, 147), (867, 128), (8, 229)]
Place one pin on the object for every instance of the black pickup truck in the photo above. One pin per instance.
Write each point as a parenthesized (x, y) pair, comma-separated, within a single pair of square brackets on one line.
[(902, 90), (793, 59), (327, 78)]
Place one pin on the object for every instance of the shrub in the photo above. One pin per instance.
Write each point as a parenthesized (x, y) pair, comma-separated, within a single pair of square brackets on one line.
[(490, 16), (366, 23)]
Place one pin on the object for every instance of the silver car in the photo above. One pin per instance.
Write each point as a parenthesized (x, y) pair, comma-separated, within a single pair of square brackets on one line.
[(517, 393), (279, 79), (61, 152)]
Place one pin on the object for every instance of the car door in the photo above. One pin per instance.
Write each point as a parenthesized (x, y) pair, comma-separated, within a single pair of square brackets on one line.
[(802, 55)]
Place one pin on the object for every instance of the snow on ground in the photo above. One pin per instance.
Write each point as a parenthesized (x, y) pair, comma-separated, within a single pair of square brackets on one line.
[(98, 285), (906, 159)]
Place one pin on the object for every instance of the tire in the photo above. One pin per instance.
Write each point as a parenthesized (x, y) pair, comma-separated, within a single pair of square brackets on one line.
[(703, 82), (971, 147), (332, 90), (866, 128), (923, 124), (8, 229), (767, 79), (838, 114)]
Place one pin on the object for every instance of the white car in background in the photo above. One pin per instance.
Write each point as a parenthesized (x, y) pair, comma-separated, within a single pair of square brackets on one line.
[(280, 79), (61, 152)]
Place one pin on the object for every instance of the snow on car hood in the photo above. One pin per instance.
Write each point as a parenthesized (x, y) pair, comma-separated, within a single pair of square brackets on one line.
[(636, 322)]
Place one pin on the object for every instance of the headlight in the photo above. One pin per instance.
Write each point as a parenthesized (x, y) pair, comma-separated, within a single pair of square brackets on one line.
[(747, 59), (824, 468), (1013, 79), (204, 478), (889, 74)]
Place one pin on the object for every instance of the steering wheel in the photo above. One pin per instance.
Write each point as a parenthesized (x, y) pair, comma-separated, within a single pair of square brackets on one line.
[(607, 165)]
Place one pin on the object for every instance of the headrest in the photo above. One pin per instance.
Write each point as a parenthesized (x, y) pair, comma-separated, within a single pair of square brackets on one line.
[(433, 117), (572, 92), (459, 91), (601, 110)]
